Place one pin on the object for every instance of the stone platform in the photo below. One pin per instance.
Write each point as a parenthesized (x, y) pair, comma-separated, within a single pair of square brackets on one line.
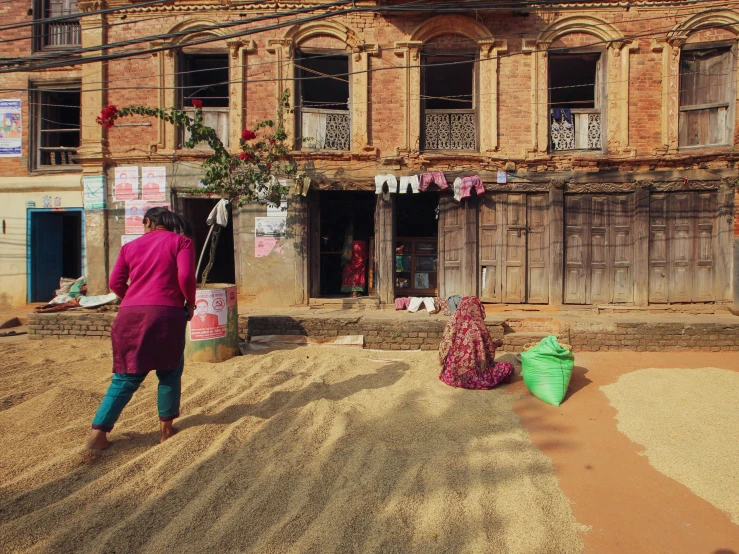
[(585, 331)]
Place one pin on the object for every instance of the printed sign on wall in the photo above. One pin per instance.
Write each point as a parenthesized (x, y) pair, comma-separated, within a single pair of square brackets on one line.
[(126, 183), (211, 315), (10, 128), (135, 211), (153, 183), (94, 192)]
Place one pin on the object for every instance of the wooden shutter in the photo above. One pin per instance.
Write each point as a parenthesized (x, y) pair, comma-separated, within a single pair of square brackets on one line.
[(514, 263), (491, 246), (538, 248), (622, 210), (575, 255), (658, 249), (451, 237)]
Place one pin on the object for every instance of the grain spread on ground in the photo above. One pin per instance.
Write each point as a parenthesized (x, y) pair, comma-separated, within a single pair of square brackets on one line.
[(684, 418), (299, 450)]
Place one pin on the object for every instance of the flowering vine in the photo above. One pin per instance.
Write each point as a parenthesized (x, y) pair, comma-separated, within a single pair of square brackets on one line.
[(251, 175)]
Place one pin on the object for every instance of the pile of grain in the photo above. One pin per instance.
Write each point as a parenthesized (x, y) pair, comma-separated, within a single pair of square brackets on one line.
[(297, 450)]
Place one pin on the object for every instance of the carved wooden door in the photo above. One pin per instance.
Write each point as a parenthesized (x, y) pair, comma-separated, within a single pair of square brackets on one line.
[(514, 248), (683, 241), (599, 250)]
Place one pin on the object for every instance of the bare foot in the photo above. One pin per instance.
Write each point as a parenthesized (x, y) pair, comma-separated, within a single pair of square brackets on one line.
[(167, 430), (98, 440)]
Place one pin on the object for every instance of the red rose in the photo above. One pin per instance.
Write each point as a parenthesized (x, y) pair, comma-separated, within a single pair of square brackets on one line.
[(245, 156), (246, 134), (269, 166), (197, 103), (107, 116)]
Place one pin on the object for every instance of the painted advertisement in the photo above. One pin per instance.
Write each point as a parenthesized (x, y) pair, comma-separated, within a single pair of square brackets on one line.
[(126, 183), (10, 129), (211, 315), (153, 183)]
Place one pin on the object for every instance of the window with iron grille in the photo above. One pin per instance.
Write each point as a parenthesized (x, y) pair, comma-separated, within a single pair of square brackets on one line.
[(707, 81), (575, 102), (56, 126), (324, 121), (448, 99), (57, 25)]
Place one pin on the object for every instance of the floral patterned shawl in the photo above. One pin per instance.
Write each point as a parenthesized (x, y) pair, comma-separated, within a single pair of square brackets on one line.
[(467, 345)]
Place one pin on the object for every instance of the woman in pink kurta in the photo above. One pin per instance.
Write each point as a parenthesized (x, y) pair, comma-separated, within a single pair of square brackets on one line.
[(155, 278)]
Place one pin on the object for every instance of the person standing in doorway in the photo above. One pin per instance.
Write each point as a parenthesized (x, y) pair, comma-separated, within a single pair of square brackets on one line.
[(353, 264), (155, 277)]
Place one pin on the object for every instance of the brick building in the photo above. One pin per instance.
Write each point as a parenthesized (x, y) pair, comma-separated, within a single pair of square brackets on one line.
[(604, 135)]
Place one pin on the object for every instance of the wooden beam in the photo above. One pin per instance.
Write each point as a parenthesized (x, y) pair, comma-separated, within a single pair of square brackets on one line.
[(556, 246), (385, 248), (641, 247)]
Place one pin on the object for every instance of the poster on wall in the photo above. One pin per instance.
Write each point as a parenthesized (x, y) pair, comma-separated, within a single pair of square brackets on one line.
[(211, 315), (275, 227), (10, 129), (126, 183), (94, 186), (153, 183), (263, 246), (135, 210)]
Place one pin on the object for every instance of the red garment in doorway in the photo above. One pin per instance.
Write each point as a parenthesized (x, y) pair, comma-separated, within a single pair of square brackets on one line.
[(354, 274)]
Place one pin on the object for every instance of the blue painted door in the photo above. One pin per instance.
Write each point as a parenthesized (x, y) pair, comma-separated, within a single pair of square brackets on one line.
[(47, 249)]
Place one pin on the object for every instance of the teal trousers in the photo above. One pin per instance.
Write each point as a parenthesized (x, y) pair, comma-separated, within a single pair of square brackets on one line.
[(123, 386)]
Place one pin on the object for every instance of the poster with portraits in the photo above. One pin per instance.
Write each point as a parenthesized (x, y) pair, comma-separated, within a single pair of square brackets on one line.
[(135, 211), (126, 183), (211, 315), (154, 183)]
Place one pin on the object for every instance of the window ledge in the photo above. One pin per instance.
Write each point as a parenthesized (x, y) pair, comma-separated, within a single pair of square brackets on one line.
[(452, 154), (47, 170), (706, 148)]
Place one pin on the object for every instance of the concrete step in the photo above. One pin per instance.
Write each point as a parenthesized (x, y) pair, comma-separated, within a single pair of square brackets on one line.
[(363, 302)]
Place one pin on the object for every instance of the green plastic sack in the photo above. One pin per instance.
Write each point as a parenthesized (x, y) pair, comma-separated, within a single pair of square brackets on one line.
[(547, 368)]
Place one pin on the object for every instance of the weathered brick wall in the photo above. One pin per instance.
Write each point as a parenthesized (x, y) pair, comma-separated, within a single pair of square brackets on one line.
[(425, 334)]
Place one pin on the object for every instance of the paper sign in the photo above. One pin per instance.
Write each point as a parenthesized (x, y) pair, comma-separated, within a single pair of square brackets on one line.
[(153, 183), (10, 129), (126, 183), (135, 211), (502, 177), (263, 246), (94, 186), (125, 239), (211, 315), (270, 227), (273, 210)]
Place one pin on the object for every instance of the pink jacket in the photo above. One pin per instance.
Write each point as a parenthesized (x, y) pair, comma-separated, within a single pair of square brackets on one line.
[(156, 269)]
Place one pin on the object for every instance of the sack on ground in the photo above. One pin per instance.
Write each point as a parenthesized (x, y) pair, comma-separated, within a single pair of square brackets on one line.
[(547, 368)]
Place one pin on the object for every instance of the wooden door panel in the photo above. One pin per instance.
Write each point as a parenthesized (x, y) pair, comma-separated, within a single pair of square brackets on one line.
[(658, 249), (622, 272), (537, 236), (515, 249), (576, 208), (490, 253), (706, 211), (450, 247), (681, 246)]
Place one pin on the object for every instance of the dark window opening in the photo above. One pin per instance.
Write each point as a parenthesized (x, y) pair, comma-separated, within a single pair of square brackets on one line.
[(416, 245), (324, 81), (56, 251), (339, 209), (196, 211), (57, 127), (52, 35), (204, 77), (572, 80), (324, 122), (448, 100), (575, 118), (706, 87)]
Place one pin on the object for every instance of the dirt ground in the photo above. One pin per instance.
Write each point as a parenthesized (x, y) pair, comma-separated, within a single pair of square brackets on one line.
[(325, 449)]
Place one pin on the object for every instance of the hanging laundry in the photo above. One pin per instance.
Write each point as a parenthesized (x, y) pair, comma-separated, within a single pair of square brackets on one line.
[(558, 113), (302, 186), (402, 303), (453, 302), (457, 189), (433, 177), (411, 180), (392, 183), (416, 302), (472, 182)]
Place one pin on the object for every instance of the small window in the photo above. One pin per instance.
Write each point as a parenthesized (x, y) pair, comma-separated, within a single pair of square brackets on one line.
[(205, 77), (706, 89), (324, 101), (575, 112), (448, 100), (56, 35), (56, 123)]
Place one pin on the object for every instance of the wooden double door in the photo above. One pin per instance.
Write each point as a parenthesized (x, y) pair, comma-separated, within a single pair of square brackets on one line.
[(599, 249), (514, 248)]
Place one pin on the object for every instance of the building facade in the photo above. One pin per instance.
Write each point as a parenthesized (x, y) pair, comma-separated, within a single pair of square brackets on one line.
[(603, 135)]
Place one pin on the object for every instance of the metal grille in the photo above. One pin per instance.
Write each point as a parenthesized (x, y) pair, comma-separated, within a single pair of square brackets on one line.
[(337, 132), (581, 132), (451, 131)]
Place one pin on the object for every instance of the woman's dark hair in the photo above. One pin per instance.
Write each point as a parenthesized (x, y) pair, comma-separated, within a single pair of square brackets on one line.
[(162, 217)]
